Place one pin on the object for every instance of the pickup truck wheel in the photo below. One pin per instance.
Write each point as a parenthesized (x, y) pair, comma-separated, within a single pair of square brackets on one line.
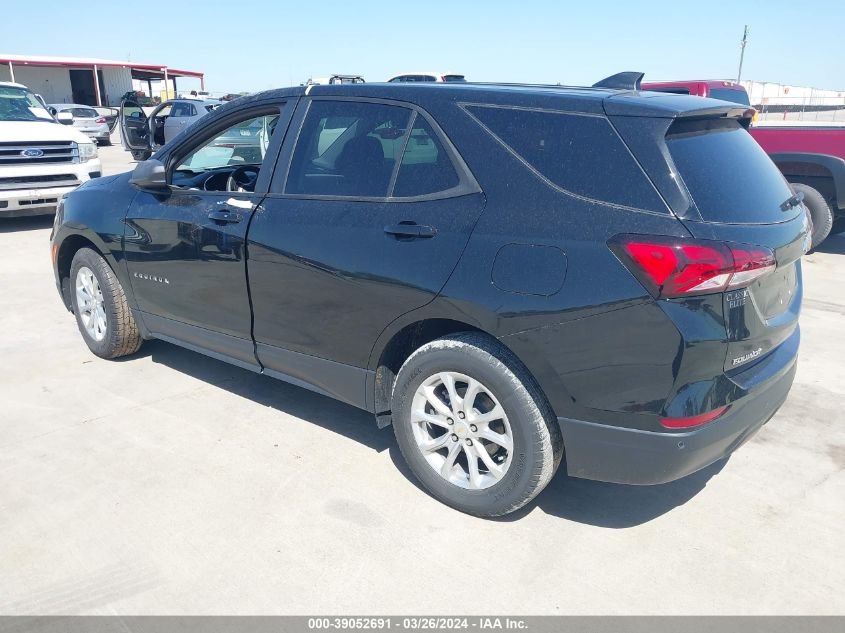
[(141, 154), (99, 304), (473, 425), (820, 212)]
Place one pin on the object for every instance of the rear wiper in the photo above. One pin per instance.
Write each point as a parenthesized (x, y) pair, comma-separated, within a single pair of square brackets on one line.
[(792, 201)]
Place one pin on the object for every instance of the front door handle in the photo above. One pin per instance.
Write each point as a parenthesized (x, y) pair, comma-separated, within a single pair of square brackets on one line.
[(410, 230), (225, 217)]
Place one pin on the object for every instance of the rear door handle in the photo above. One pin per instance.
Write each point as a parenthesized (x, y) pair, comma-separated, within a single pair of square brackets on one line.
[(410, 230), (222, 216)]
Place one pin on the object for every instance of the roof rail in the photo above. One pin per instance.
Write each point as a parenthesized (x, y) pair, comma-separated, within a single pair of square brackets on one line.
[(628, 80)]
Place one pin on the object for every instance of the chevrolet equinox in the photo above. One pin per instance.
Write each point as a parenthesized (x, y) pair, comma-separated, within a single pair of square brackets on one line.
[(512, 276)]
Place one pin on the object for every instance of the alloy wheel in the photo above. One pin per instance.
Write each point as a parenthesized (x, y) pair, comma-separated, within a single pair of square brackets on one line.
[(89, 302), (461, 430)]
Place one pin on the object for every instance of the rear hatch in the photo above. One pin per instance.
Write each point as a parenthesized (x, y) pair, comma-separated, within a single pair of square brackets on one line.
[(729, 195), (739, 196)]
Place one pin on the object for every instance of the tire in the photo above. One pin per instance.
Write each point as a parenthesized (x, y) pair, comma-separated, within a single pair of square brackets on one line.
[(105, 141), (838, 226), (141, 154), (516, 475), (820, 212), (119, 333)]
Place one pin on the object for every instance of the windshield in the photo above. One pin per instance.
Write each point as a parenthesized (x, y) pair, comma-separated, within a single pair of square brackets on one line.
[(20, 104)]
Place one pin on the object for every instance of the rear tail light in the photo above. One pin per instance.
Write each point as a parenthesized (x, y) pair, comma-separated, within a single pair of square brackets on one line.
[(102, 119), (695, 420), (678, 267)]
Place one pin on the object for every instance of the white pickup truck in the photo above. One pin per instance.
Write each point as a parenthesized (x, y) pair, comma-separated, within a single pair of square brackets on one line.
[(40, 159)]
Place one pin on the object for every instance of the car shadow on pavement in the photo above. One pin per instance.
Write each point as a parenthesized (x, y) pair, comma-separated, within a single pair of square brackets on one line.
[(312, 407), (601, 504), (34, 223), (616, 506)]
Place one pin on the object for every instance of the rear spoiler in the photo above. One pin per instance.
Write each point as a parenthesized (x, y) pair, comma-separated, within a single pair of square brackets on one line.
[(744, 114)]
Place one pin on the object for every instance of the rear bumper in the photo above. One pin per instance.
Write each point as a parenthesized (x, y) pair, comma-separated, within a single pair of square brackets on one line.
[(631, 456)]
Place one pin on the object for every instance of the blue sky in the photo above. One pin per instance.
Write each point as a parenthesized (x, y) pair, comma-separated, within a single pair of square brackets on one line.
[(258, 44)]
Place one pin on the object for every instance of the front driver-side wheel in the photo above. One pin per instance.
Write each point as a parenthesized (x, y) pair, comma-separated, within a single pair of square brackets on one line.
[(473, 425), (100, 307)]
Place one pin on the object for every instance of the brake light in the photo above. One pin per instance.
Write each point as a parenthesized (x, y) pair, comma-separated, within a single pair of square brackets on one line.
[(102, 119), (678, 267), (695, 420)]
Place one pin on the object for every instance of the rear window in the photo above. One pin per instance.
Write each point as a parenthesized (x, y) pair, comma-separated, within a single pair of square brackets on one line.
[(726, 94), (83, 113), (729, 176), (581, 154)]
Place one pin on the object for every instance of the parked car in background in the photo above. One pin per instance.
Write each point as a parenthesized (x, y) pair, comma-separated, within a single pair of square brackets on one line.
[(810, 156), (334, 79), (40, 158), (427, 77), (143, 134), (502, 273), (87, 120)]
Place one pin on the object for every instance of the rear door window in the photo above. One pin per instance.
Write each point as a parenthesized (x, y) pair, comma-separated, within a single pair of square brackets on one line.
[(347, 148), (729, 176), (581, 154)]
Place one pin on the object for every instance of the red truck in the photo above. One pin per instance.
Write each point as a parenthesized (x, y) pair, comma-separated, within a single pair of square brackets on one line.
[(811, 157)]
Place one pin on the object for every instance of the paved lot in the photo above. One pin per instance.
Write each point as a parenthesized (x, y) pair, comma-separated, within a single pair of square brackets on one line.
[(172, 483)]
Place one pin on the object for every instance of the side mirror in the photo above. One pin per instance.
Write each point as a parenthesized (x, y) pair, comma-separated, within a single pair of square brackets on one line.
[(150, 175), (65, 118)]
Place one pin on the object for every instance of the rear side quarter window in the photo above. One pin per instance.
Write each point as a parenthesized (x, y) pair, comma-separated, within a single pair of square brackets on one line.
[(580, 154)]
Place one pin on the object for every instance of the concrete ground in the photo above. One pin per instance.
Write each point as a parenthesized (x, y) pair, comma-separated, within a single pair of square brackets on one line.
[(172, 483)]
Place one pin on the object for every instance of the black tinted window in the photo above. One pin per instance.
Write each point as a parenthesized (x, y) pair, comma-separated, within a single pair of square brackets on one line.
[(729, 176), (726, 94), (425, 167), (581, 154), (347, 149), (83, 113)]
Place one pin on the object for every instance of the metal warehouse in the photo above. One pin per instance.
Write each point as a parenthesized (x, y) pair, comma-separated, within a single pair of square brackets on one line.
[(72, 79)]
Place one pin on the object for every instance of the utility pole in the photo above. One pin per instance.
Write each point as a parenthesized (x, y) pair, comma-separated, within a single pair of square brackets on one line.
[(742, 52)]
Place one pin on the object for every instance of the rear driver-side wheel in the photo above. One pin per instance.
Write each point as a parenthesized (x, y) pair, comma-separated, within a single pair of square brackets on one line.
[(100, 307), (473, 425)]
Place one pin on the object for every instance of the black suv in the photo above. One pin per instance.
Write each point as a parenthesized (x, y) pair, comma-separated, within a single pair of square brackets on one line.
[(511, 276)]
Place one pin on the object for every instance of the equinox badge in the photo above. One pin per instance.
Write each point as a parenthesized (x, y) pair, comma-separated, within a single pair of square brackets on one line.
[(161, 280)]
